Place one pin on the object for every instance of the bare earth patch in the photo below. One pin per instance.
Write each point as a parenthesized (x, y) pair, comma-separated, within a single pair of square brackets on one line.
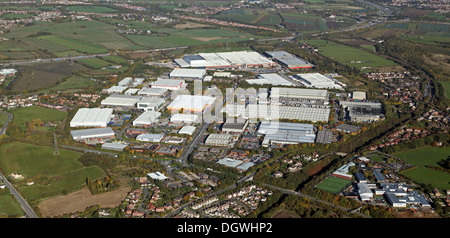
[(80, 200)]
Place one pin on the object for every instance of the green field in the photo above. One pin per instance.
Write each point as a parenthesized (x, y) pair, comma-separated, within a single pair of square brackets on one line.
[(94, 62), (333, 185), (52, 174), (9, 207), (26, 114), (74, 82), (115, 59), (3, 118), (91, 9), (350, 56), (446, 86), (75, 44), (426, 156)]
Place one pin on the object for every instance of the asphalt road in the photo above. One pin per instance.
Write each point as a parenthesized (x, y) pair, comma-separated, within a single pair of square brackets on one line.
[(292, 192), (10, 117), (23, 203)]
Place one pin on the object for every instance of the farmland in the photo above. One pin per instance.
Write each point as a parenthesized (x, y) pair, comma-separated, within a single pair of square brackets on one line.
[(52, 174), (333, 185), (26, 114), (94, 62), (350, 56), (74, 82), (9, 206), (75, 44), (303, 22), (44, 75), (426, 156), (446, 86), (90, 9)]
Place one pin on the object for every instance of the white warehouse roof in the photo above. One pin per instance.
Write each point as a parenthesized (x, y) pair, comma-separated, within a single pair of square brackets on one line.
[(150, 137), (188, 130), (191, 102), (91, 117), (121, 100), (147, 118), (317, 80), (188, 73), (301, 93), (186, 118), (171, 84), (273, 79)]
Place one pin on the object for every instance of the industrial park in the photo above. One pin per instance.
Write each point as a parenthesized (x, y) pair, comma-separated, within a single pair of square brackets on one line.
[(225, 110)]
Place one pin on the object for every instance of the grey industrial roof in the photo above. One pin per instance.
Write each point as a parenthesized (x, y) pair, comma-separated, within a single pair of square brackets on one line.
[(317, 94), (324, 136), (288, 59), (287, 132), (349, 128), (230, 162), (90, 133)]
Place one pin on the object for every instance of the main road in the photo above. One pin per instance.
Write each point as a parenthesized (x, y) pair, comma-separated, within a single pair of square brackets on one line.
[(23, 203), (10, 116)]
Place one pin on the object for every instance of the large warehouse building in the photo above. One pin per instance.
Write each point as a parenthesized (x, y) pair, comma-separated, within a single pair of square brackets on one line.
[(193, 103), (363, 111), (153, 92), (235, 59), (272, 112), (121, 101), (150, 103), (185, 118), (299, 93), (286, 133), (170, 84), (92, 117), (316, 80), (93, 136), (289, 60), (273, 79), (178, 73), (147, 118)]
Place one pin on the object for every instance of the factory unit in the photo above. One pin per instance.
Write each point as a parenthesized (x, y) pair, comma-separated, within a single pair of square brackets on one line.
[(286, 133), (116, 146), (235, 59), (272, 79), (363, 111), (187, 130), (153, 92), (150, 103), (192, 103), (121, 101), (218, 140), (178, 73), (275, 112), (298, 96), (316, 80), (170, 84), (147, 118), (231, 126), (114, 89), (156, 138), (289, 60), (92, 117), (93, 136), (185, 118)]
